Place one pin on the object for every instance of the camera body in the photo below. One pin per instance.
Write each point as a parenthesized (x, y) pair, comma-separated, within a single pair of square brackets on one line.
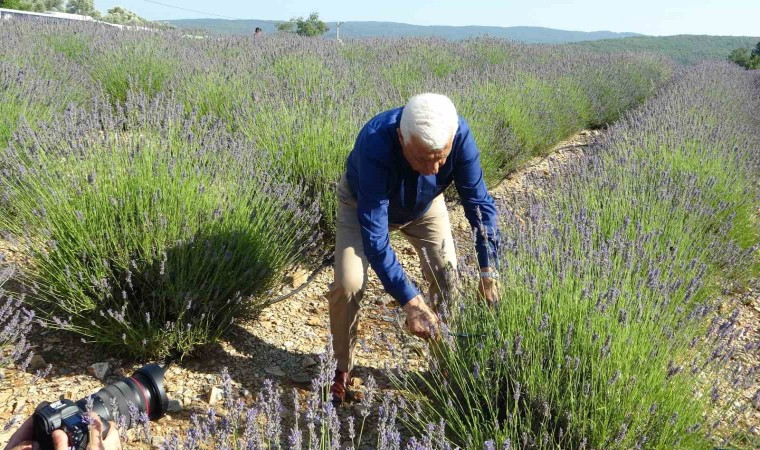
[(143, 392), (67, 416)]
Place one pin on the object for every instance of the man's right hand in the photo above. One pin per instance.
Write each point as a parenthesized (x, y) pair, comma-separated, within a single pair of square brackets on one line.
[(422, 322)]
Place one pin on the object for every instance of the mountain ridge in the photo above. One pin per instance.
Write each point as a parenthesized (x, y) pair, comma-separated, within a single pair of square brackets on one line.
[(363, 29)]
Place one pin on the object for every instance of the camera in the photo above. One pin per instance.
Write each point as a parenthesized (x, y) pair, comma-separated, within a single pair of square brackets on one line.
[(144, 389)]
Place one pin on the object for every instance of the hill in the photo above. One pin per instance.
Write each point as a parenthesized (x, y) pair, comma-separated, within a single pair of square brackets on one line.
[(685, 49), (393, 29)]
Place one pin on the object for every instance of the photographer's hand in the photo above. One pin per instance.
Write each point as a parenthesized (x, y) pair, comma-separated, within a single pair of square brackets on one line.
[(112, 441), (22, 438)]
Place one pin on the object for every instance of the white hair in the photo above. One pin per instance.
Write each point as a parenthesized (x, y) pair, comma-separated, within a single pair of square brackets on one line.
[(432, 118)]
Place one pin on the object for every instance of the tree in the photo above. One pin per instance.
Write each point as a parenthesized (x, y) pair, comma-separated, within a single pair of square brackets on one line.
[(287, 27), (123, 16), (754, 62), (10, 4), (756, 50), (83, 7), (311, 26), (740, 56), (33, 5)]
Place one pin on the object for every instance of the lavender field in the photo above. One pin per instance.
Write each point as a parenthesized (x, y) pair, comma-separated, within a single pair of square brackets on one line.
[(159, 186)]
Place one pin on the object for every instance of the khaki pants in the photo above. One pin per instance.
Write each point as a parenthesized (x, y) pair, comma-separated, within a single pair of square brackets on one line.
[(431, 237)]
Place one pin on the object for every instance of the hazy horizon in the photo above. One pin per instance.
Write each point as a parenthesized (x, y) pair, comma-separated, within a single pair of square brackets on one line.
[(650, 17)]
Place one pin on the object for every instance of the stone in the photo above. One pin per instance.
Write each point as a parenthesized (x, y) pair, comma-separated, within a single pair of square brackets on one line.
[(246, 394), (37, 363), (356, 382), (384, 300), (314, 321), (19, 405), (275, 371), (300, 378), (215, 395), (99, 370), (174, 406), (308, 361), (156, 442), (119, 372), (5, 396), (298, 278)]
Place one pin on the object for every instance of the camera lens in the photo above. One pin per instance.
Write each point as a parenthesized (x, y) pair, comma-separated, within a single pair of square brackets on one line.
[(143, 392)]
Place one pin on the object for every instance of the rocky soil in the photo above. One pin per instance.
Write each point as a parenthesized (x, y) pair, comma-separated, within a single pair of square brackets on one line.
[(284, 343)]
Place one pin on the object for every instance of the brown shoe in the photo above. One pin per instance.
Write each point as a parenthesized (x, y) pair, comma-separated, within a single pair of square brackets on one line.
[(339, 388)]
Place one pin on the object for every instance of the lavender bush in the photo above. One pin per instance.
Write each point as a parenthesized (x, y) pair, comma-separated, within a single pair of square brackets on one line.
[(148, 228), (15, 323), (23, 93), (608, 333), (270, 423)]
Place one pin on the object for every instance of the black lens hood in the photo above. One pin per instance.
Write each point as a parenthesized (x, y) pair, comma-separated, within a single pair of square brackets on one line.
[(154, 375)]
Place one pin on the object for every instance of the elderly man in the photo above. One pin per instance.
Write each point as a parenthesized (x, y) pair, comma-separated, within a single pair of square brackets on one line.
[(396, 173)]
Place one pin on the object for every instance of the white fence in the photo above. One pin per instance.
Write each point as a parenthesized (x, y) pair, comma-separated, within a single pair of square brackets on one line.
[(12, 14)]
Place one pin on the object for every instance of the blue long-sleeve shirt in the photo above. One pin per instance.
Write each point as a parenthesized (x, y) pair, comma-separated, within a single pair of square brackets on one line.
[(389, 191)]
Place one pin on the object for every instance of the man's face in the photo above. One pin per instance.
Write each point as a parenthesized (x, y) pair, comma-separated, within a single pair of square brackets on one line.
[(419, 156)]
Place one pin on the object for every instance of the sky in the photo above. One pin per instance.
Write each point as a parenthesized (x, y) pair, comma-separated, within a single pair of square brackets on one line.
[(651, 17)]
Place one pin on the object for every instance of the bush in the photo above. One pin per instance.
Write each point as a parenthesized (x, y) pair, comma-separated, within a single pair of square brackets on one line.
[(607, 334), (149, 231), (23, 93), (143, 65), (15, 324)]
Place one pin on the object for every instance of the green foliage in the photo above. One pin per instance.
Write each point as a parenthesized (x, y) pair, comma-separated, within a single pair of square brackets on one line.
[(740, 56), (83, 7), (13, 4), (123, 16), (33, 5), (287, 27), (754, 62), (743, 57), (309, 27)]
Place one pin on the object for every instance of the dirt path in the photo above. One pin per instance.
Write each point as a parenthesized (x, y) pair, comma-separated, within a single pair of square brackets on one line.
[(284, 343)]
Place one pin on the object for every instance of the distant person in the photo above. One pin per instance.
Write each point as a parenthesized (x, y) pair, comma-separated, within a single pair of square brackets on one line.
[(395, 176), (257, 32)]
